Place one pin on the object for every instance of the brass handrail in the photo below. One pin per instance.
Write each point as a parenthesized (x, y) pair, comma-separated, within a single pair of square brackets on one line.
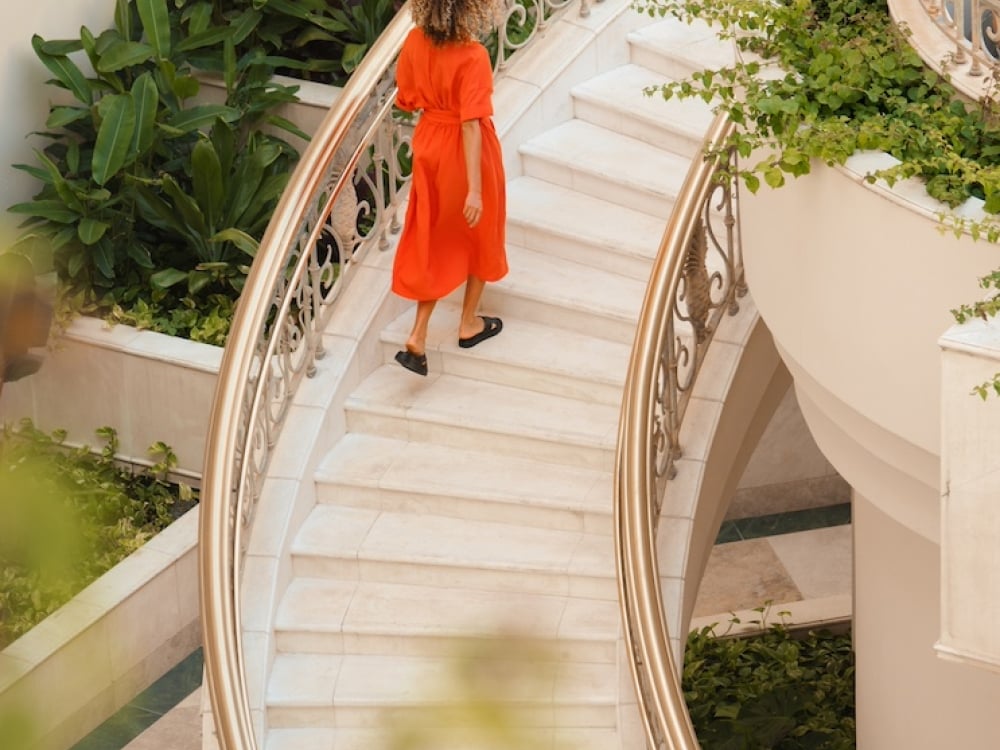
[(697, 277), (341, 201)]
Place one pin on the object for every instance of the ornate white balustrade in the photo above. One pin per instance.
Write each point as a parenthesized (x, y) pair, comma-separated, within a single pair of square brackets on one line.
[(971, 28)]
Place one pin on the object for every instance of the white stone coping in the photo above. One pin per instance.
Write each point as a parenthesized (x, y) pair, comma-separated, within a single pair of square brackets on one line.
[(120, 634), (806, 614)]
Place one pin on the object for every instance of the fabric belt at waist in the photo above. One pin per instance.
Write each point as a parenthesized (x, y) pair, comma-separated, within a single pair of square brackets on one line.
[(441, 117)]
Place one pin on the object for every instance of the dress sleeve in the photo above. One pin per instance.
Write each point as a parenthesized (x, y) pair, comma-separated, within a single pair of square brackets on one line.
[(405, 84), (477, 87)]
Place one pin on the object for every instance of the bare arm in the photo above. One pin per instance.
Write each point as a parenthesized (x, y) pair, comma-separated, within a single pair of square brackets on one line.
[(472, 146)]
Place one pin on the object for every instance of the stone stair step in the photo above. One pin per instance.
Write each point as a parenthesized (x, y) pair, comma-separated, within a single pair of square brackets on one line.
[(568, 224), (390, 619), (604, 164), (390, 547), (526, 354), (476, 738), (568, 295), (615, 100), (358, 691), (451, 410), (368, 471), (676, 49)]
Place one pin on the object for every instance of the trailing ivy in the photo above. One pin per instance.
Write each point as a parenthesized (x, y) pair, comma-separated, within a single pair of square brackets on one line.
[(67, 515), (823, 79), (773, 689)]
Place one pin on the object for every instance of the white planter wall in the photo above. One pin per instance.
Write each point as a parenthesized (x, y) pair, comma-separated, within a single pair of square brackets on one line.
[(148, 386)]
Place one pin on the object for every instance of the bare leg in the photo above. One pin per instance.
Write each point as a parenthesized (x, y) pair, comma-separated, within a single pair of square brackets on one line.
[(417, 342), (471, 323)]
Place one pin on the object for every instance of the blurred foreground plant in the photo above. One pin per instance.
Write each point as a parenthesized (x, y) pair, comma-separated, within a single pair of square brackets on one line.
[(67, 515)]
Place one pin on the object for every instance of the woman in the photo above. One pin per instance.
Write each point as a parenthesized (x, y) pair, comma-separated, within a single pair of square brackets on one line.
[(455, 220)]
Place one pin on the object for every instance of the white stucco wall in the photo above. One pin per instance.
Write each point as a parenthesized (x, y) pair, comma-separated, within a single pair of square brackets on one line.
[(22, 81)]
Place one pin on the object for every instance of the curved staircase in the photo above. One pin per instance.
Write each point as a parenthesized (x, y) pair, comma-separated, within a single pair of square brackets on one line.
[(458, 566)]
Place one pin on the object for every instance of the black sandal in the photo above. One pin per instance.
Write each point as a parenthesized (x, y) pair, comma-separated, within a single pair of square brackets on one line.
[(491, 327), (413, 362)]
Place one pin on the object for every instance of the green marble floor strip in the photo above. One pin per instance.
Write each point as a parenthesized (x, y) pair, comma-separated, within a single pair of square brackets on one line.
[(742, 529), (150, 705)]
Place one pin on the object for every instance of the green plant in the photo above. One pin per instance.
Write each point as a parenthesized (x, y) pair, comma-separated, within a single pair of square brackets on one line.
[(68, 514), (822, 79), (150, 199), (771, 689)]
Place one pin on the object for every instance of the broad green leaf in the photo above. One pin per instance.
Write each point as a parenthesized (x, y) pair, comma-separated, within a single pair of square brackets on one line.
[(76, 261), (208, 38), (65, 71), (51, 210), (229, 64), (353, 54), (104, 259), (124, 55), (147, 99), (202, 116), (199, 18), (123, 18), (206, 174), (241, 239), (140, 255), (167, 278), (288, 126), (156, 24), (60, 117), (198, 280), (186, 87), (114, 136), (243, 26), (90, 231), (189, 210)]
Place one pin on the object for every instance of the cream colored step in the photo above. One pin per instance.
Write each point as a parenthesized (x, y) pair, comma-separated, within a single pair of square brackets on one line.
[(319, 738), (567, 295), (529, 355), (461, 412), (365, 617), (606, 165), (676, 49), (368, 471), (355, 691), (567, 224), (615, 100), (391, 547)]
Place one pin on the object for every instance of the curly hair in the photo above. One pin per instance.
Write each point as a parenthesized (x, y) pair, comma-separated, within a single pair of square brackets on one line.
[(446, 21)]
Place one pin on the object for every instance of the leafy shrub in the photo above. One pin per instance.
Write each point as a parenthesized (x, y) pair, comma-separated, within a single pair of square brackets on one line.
[(69, 515), (150, 201), (771, 690)]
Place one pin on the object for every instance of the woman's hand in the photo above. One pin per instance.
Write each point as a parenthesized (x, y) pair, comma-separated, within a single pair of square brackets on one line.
[(473, 210)]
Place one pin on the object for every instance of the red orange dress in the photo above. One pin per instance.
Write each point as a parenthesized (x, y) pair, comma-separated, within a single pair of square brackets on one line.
[(438, 250)]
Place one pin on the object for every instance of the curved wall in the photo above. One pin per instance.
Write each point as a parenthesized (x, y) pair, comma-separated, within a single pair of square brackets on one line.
[(857, 296), (856, 283)]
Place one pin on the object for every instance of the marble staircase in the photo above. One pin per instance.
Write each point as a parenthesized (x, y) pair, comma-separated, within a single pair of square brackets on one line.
[(465, 518)]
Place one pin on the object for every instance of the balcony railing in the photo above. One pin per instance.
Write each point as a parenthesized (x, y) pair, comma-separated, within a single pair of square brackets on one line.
[(972, 27)]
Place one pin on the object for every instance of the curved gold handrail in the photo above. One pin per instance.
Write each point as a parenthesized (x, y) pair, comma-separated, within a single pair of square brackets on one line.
[(302, 264), (341, 201), (684, 303)]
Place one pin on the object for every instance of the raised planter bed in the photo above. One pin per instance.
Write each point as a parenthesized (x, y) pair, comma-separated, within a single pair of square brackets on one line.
[(112, 640)]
